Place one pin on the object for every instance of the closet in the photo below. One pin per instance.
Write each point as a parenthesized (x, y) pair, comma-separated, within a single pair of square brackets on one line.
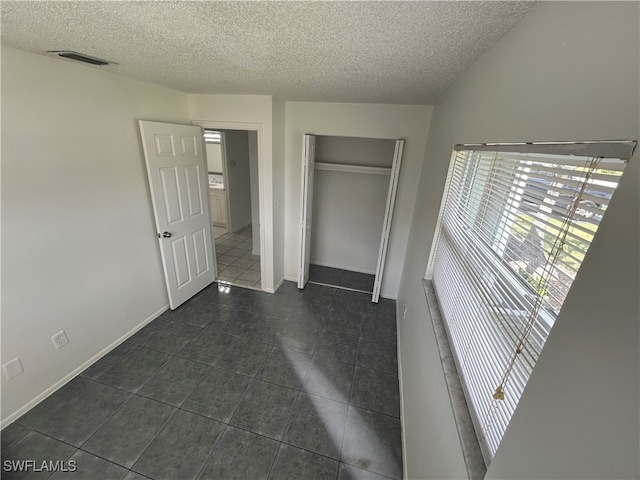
[(347, 196)]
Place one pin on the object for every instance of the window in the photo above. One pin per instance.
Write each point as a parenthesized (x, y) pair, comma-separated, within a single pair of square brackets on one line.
[(211, 136), (515, 224)]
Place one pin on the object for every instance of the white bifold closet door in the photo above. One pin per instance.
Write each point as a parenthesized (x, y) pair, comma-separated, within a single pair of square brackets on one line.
[(388, 217), (308, 164)]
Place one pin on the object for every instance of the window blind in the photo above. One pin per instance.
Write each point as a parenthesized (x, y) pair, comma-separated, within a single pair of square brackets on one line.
[(514, 227), (211, 136)]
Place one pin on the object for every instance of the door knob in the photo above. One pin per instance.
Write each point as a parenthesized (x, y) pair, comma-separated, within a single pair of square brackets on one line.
[(166, 234)]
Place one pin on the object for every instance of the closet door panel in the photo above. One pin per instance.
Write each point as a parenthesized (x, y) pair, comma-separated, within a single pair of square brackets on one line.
[(388, 218), (306, 202)]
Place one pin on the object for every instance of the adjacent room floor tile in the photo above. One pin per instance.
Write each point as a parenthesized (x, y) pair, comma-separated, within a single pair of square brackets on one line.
[(130, 431), (265, 409), (218, 395), (76, 411), (295, 463), (181, 448), (372, 441), (240, 455), (317, 424)]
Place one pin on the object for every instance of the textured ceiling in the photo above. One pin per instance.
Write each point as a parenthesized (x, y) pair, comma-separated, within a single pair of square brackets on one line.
[(365, 51)]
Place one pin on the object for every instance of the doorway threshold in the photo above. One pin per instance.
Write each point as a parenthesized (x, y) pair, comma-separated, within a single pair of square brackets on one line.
[(240, 285)]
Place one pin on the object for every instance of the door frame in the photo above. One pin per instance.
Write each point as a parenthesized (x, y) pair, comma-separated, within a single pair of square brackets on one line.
[(265, 209)]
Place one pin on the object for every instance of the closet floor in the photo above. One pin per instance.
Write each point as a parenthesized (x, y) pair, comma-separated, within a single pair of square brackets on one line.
[(336, 277)]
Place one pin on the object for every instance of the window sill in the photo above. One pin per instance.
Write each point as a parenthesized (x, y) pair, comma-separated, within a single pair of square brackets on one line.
[(476, 468)]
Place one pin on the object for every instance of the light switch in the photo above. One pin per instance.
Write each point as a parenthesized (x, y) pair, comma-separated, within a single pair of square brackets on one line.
[(13, 368)]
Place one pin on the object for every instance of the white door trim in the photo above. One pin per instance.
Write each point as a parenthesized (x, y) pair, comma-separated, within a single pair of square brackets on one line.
[(266, 210)]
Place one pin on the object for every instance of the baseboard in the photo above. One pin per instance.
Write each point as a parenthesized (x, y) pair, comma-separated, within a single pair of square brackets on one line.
[(402, 418), (67, 378), (275, 288)]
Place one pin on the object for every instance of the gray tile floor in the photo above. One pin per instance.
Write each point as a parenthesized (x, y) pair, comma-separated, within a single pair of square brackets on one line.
[(235, 383), (236, 264), (336, 277)]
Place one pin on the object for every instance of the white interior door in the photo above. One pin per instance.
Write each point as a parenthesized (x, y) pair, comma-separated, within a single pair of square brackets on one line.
[(308, 165), (177, 171), (388, 217)]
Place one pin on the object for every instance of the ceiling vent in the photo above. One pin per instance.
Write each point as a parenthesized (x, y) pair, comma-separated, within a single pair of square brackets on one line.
[(81, 57)]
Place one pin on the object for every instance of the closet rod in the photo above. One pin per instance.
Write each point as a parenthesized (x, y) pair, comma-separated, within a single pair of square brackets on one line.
[(340, 167)]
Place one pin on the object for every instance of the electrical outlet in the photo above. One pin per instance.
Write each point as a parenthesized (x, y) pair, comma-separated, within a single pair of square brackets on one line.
[(404, 312), (60, 339)]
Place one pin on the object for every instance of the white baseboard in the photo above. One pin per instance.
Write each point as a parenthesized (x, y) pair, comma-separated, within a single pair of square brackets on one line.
[(67, 378), (275, 288)]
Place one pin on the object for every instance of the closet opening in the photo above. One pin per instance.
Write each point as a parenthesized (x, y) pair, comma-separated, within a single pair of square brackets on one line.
[(348, 193)]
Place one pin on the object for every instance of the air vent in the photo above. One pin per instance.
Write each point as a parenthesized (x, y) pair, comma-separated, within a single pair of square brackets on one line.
[(81, 57)]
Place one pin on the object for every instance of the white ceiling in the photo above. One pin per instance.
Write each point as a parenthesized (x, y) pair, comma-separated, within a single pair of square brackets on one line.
[(364, 51)]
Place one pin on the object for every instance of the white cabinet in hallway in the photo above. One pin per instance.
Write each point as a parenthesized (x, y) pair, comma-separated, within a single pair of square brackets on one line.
[(218, 203)]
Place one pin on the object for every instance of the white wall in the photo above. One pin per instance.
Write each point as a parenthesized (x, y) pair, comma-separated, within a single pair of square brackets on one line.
[(214, 157), (78, 246), (567, 71), (347, 217), (255, 192), (356, 120), (278, 200), (237, 178), (249, 112)]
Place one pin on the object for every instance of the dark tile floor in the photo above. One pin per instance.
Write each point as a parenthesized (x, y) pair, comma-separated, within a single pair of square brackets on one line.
[(235, 383), (341, 278)]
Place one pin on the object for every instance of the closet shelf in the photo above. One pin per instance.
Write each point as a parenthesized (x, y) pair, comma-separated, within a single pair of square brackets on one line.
[(341, 167)]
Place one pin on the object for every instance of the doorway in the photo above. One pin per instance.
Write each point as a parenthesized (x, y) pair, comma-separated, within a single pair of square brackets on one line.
[(232, 157)]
